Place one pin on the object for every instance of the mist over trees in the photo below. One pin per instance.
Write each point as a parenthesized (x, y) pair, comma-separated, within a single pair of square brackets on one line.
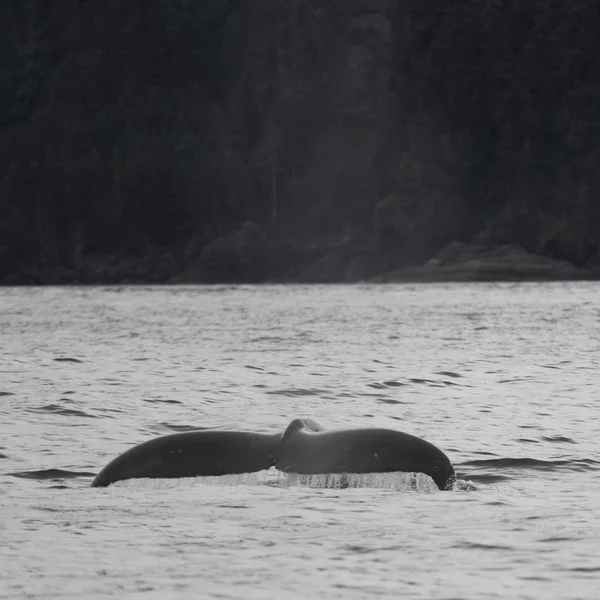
[(150, 128)]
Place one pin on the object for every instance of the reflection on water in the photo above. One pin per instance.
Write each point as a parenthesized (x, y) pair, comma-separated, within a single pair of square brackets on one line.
[(501, 377)]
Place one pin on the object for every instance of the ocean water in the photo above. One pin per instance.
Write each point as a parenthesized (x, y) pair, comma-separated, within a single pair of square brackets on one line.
[(503, 377)]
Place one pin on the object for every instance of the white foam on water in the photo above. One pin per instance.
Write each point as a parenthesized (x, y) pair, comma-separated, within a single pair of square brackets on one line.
[(415, 482), (405, 482)]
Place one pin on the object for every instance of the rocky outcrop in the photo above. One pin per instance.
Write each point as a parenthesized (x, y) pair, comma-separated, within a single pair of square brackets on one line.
[(248, 256), (237, 257), (245, 256), (477, 262), (348, 260)]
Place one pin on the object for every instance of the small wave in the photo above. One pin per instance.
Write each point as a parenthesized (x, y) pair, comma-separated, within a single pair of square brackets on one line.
[(362, 549), (161, 400), (482, 546), (112, 380), (558, 538), (394, 383), (110, 410), (68, 400), (582, 464), (181, 428), (67, 359), (558, 438), (6, 394), (61, 410), (433, 382), (296, 392), (449, 374), (3, 455), (484, 478), (390, 401), (44, 474)]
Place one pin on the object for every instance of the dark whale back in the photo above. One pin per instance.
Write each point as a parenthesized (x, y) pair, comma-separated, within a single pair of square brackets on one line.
[(193, 454), (307, 448)]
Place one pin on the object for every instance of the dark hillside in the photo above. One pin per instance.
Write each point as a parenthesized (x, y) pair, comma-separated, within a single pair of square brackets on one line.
[(246, 140)]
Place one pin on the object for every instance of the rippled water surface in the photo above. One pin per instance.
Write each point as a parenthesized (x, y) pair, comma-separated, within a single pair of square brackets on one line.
[(504, 378)]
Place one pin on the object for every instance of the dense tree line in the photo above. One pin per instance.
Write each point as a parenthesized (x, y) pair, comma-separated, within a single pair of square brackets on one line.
[(517, 85), (146, 124)]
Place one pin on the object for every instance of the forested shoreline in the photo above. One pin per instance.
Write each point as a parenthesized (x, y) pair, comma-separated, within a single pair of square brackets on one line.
[(260, 140)]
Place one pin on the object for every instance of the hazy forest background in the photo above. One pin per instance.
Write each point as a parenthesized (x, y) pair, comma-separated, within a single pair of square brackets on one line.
[(246, 139)]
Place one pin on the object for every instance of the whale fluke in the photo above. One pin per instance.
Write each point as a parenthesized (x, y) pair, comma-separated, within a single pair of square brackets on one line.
[(304, 448)]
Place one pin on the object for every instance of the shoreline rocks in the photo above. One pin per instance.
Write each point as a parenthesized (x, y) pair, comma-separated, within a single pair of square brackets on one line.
[(460, 261), (247, 256)]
